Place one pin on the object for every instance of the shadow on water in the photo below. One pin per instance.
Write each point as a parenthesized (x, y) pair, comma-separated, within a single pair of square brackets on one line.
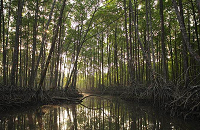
[(108, 113)]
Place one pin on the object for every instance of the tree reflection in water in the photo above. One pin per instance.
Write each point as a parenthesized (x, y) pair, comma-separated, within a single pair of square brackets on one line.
[(93, 114)]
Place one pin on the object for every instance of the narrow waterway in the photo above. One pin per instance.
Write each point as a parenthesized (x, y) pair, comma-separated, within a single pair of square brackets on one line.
[(94, 113)]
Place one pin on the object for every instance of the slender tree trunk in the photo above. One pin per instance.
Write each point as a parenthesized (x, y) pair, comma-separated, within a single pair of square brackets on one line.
[(32, 78), (165, 73), (16, 47), (127, 43), (20, 62), (121, 68), (151, 37), (176, 57), (51, 68), (99, 64), (102, 41), (137, 53), (7, 39), (184, 51), (184, 33), (198, 6), (116, 57), (82, 41), (43, 43), (76, 47), (109, 61), (171, 52), (146, 51), (57, 58), (1, 13), (195, 23), (27, 42), (132, 67), (52, 45), (145, 55), (148, 37), (4, 44)]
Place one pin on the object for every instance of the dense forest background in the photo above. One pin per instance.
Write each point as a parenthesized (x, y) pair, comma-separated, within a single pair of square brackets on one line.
[(100, 44)]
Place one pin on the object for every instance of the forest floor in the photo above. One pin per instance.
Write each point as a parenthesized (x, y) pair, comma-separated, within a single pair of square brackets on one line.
[(183, 102), (12, 97)]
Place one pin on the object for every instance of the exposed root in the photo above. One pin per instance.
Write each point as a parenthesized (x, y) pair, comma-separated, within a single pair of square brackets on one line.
[(12, 96)]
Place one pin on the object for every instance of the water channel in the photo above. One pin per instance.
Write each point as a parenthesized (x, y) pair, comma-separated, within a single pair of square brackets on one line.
[(94, 113)]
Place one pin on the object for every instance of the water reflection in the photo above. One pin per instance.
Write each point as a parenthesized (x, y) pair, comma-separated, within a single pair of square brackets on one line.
[(94, 113)]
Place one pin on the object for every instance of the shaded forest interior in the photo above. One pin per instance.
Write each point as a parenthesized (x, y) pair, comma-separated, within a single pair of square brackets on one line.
[(145, 50)]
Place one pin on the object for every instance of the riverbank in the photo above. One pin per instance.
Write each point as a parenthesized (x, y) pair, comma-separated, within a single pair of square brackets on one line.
[(16, 97), (184, 103)]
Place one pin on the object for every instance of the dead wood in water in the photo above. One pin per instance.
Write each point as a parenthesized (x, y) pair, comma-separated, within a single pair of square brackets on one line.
[(68, 99)]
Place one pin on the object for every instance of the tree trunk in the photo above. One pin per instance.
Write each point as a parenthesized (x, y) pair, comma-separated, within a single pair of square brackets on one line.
[(184, 51), (145, 55), (57, 58), (102, 40), (116, 58), (82, 41), (165, 73), (195, 23), (4, 44), (52, 46), (16, 47), (184, 33), (132, 66), (148, 37), (171, 52), (121, 68), (43, 42), (127, 43), (109, 63), (20, 62), (7, 39), (32, 78), (27, 42), (176, 57), (151, 37), (198, 6)]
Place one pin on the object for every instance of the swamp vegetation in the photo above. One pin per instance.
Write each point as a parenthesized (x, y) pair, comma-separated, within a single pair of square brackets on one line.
[(140, 50)]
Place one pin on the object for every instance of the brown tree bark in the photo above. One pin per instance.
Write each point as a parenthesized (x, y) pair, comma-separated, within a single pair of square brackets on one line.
[(102, 65), (57, 58), (27, 53), (151, 37), (42, 44), (16, 47), (52, 45), (132, 65), (7, 39), (145, 55), (184, 33), (195, 23), (116, 58), (32, 79), (165, 73), (198, 6), (82, 41), (184, 51), (127, 43), (2, 39)]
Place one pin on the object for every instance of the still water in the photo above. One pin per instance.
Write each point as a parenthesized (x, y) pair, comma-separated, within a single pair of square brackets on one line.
[(94, 113)]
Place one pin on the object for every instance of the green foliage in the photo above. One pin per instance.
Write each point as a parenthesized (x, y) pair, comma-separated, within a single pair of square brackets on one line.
[(92, 33)]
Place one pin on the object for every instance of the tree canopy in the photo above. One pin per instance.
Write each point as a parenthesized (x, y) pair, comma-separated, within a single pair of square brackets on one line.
[(99, 44)]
